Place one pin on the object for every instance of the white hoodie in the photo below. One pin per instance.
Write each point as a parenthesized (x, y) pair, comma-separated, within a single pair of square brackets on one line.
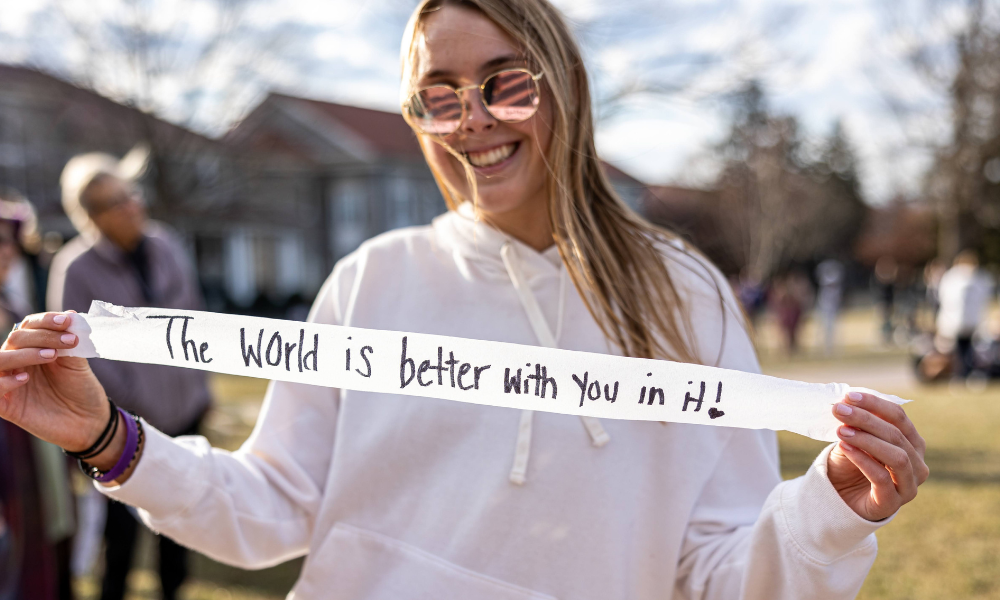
[(964, 293), (397, 497)]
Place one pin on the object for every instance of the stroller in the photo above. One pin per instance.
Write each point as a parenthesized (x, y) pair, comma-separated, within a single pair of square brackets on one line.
[(933, 359)]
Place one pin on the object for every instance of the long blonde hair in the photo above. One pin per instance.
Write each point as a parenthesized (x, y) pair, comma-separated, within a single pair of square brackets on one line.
[(614, 257)]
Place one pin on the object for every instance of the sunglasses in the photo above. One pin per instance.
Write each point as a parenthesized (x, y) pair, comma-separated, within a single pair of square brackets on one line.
[(511, 96), (126, 196)]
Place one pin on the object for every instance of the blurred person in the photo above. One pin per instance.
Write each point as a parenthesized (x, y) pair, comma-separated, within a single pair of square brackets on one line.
[(789, 298), (909, 292), (36, 505), (395, 497), (884, 282), (933, 272), (752, 295), (965, 291), (124, 258), (23, 281), (830, 277)]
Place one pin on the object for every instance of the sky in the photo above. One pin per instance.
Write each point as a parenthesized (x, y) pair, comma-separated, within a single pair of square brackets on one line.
[(821, 60)]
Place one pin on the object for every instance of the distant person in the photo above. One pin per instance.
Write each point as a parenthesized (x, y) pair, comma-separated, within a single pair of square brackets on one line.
[(36, 504), (789, 299), (123, 258), (933, 272), (752, 294), (964, 292), (830, 277), (884, 283)]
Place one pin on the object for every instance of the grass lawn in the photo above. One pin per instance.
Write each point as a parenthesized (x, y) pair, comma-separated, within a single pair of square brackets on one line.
[(946, 544)]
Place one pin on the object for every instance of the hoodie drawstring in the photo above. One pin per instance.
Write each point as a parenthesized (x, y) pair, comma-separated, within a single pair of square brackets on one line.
[(522, 449)]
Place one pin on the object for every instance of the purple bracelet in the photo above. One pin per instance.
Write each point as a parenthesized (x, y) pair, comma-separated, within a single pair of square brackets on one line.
[(131, 443)]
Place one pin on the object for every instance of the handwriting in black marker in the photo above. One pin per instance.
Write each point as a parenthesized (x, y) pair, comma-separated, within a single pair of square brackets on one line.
[(276, 350), (368, 363), (248, 352), (196, 350), (267, 353), (714, 412), (642, 395), (688, 398), (582, 384), (592, 391), (409, 370)]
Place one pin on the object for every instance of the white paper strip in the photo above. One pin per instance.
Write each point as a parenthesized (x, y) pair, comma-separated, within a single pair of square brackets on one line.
[(480, 372)]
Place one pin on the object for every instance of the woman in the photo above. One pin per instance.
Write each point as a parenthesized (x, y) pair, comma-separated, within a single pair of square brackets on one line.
[(393, 497)]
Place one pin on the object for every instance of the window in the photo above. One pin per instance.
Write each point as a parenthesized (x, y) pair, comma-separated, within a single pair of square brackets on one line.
[(349, 215), (401, 202)]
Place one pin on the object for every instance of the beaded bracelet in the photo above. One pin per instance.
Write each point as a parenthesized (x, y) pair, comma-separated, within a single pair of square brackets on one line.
[(134, 436), (103, 440)]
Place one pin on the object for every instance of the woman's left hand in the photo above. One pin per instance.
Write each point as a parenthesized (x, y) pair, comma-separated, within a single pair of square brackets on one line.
[(879, 461)]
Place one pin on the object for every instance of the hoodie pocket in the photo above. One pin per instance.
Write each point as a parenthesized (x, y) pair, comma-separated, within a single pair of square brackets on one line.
[(356, 564)]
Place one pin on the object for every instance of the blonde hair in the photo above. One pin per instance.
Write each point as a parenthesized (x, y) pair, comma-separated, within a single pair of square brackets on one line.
[(614, 256)]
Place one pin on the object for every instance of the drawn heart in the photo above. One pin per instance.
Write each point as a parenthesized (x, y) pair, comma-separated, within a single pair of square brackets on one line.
[(715, 413)]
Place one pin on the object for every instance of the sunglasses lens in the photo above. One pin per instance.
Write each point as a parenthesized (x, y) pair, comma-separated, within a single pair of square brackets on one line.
[(436, 110), (511, 95)]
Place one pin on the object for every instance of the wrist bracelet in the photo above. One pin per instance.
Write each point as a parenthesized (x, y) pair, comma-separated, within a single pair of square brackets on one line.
[(104, 439), (133, 441), (107, 441)]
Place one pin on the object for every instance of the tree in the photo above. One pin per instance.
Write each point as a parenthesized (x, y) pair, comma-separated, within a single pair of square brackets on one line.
[(657, 51), (963, 180), (194, 63), (841, 204), (778, 206)]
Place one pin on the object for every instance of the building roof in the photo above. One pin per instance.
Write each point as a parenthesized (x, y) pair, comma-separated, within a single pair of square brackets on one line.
[(63, 119), (387, 133), (67, 96)]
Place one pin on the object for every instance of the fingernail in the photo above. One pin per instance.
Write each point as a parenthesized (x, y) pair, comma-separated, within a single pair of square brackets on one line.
[(843, 409), (47, 353), (59, 319), (854, 397), (847, 431), (67, 338), (21, 377), (847, 446)]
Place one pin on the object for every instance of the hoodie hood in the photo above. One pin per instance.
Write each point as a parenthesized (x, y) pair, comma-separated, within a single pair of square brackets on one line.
[(478, 246)]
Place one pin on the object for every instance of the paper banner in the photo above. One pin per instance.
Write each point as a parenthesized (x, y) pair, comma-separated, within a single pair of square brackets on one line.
[(466, 370)]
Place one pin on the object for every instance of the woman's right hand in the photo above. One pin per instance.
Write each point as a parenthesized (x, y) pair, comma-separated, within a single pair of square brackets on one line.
[(56, 399)]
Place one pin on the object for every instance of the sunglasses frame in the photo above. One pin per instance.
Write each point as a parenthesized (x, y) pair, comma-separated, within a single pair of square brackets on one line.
[(465, 106), (131, 194)]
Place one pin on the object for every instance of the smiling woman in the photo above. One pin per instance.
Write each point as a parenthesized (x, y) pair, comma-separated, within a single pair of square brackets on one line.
[(393, 497), (537, 177)]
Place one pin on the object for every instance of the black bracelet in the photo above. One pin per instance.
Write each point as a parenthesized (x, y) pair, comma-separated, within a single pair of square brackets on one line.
[(103, 440), (107, 441), (95, 473), (104, 444)]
